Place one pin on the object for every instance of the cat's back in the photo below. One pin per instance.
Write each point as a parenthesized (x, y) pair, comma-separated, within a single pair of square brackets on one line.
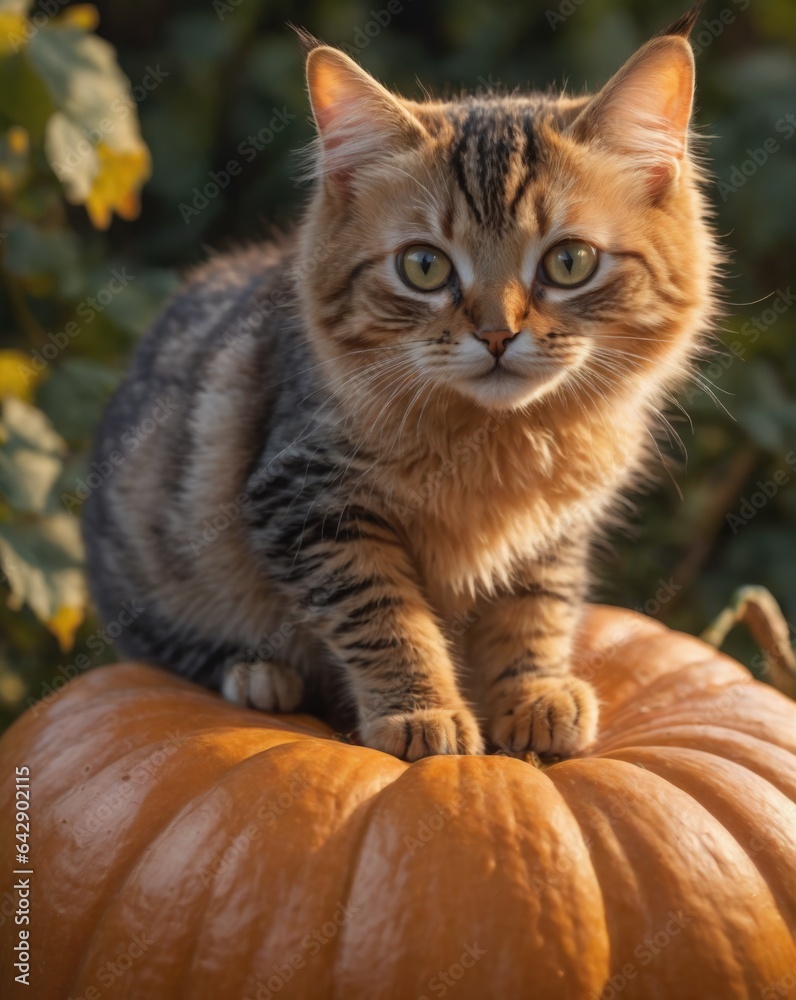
[(183, 430), (221, 304)]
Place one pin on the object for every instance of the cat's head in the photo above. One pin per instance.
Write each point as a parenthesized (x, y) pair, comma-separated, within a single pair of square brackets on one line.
[(498, 248)]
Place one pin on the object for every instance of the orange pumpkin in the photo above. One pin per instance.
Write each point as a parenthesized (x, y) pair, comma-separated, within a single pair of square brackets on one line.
[(184, 848)]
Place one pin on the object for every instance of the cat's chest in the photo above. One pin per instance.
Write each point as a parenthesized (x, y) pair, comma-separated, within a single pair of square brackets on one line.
[(475, 506), (469, 535)]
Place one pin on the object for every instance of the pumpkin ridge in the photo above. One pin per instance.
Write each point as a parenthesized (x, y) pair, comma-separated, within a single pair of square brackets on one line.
[(153, 835), (150, 747), (547, 773), (629, 745), (72, 699), (155, 838), (351, 872), (670, 678), (740, 724), (623, 626), (619, 739), (669, 758), (741, 743), (676, 882)]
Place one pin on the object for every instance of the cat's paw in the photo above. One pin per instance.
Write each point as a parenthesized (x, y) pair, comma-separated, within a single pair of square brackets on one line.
[(264, 685), (556, 716), (424, 733)]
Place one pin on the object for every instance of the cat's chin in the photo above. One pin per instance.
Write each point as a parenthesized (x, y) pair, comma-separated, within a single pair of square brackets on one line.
[(502, 390)]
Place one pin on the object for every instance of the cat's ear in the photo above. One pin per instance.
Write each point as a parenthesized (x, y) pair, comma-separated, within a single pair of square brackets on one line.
[(643, 112), (359, 121)]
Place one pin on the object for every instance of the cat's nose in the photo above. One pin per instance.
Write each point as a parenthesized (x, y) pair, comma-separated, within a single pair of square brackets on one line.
[(495, 340)]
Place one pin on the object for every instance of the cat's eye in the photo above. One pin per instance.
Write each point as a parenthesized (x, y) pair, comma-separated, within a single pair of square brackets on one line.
[(570, 263), (424, 268)]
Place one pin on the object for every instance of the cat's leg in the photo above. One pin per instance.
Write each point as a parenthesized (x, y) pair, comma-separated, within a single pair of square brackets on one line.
[(521, 648), (360, 595), (263, 684)]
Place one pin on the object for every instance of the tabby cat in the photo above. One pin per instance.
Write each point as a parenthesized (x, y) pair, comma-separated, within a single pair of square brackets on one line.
[(359, 469)]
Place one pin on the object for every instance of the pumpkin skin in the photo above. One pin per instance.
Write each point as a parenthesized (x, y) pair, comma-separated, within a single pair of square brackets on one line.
[(207, 851)]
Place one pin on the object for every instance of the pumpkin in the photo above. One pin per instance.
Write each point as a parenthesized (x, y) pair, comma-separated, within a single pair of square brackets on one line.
[(185, 848)]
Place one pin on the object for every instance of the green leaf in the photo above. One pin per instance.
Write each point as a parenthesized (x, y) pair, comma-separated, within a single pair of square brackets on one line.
[(73, 157), (766, 413), (34, 253), (83, 78), (43, 563), (75, 395), (24, 99), (141, 301), (15, 6), (31, 456), (93, 143)]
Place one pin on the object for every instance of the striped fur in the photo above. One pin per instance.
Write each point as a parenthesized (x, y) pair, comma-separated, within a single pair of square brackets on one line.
[(350, 504)]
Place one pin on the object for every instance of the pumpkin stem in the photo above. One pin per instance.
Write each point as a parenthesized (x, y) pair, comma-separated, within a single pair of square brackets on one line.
[(756, 608)]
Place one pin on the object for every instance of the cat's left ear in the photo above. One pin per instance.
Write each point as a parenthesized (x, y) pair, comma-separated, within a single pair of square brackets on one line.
[(359, 121), (644, 110)]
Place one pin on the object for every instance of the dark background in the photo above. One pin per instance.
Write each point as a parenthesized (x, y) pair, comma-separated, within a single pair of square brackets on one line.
[(227, 69)]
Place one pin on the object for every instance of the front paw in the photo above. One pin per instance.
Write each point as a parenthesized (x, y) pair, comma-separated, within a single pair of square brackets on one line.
[(424, 733), (554, 716), (271, 687)]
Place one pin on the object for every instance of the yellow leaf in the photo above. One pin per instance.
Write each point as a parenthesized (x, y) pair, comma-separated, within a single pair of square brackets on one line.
[(12, 688), (18, 140), (117, 184), (17, 376), (81, 15), (64, 624), (13, 32)]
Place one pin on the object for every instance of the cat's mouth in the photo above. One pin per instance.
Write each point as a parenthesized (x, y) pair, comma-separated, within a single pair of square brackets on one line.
[(503, 370), (507, 385)]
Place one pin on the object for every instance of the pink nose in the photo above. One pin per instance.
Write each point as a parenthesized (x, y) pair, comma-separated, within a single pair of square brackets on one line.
[(495, 340)]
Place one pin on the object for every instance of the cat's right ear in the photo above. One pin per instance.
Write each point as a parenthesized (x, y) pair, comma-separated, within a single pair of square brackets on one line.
[(644, 110), (359, 121)]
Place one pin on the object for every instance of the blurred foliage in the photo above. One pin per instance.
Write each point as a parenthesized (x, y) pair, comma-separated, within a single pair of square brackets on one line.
[(217, 88)]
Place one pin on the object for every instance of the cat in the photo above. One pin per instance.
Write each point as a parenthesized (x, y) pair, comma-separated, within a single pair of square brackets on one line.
[(388, 441)]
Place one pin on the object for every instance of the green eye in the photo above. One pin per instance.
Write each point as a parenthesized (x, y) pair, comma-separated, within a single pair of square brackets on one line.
[(424, 268), (569, 264)]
